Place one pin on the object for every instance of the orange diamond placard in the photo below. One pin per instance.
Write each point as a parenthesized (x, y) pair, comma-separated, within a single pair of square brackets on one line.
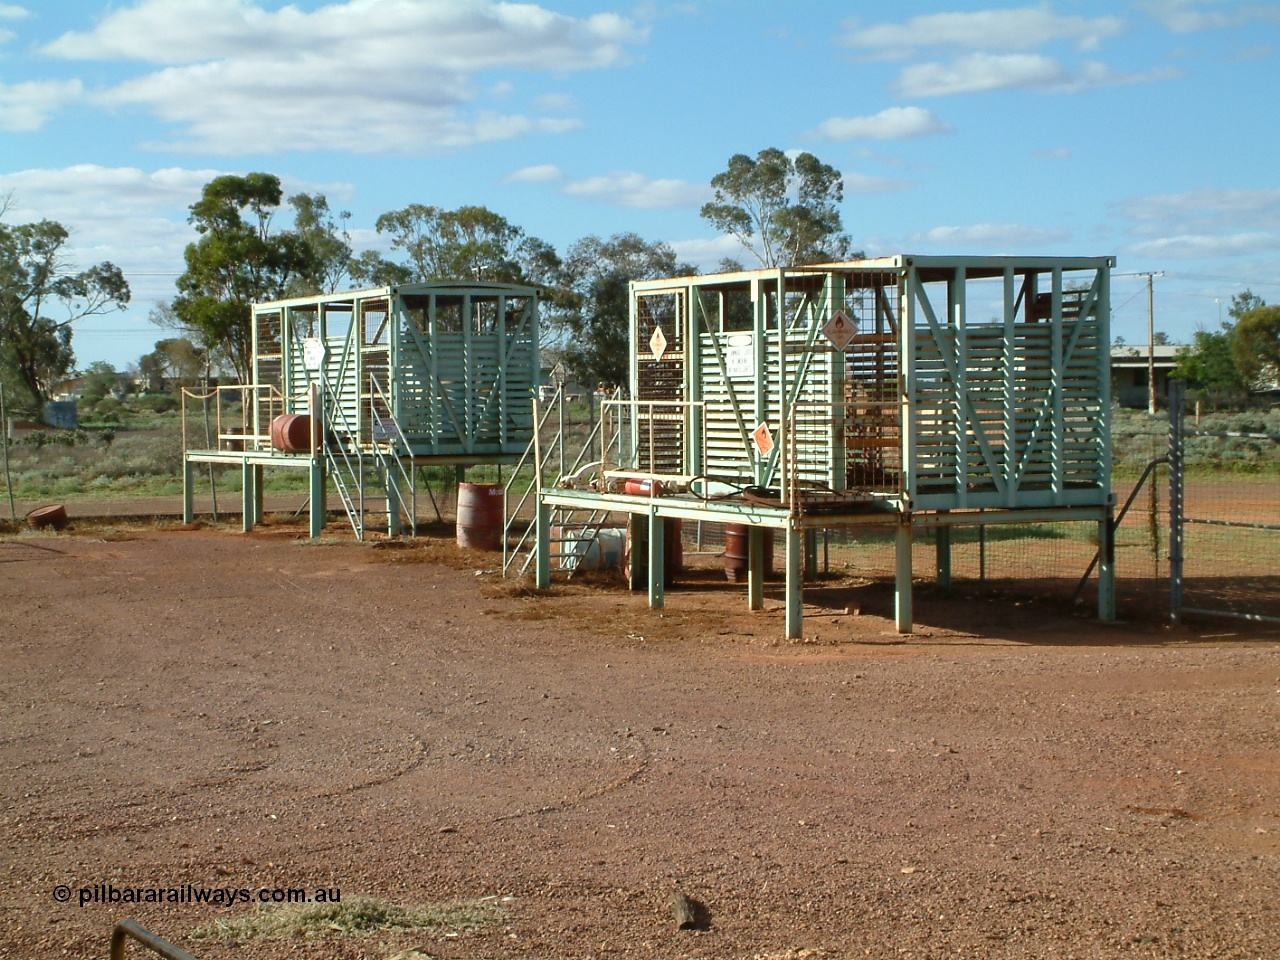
[(763, 439)]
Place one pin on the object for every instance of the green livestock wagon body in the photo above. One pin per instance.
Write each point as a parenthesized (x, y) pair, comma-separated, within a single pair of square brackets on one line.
[(447, 370), (921, 383)]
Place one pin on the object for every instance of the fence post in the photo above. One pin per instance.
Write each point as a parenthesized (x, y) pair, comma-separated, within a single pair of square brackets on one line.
[(1177, 490)]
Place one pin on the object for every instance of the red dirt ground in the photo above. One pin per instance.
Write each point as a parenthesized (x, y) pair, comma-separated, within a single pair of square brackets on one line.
[(1014, 780)]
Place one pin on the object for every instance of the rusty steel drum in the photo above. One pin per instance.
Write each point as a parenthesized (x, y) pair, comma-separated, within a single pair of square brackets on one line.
[(480, 515), (291, 433), (54, 515), (737, 551)]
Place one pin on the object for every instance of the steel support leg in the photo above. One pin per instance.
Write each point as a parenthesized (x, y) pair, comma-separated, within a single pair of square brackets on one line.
[(259, 482), (657, 560), (755, 567), (902, 613), (795, 582), (811, 554), (542, 548), (394, 501), (319, 504), (188, 491), (944, 559), (1107, 567), (248, 499), (635, 559)]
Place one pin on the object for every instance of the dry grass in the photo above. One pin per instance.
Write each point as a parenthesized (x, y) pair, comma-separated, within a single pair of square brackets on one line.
[(359, 916)]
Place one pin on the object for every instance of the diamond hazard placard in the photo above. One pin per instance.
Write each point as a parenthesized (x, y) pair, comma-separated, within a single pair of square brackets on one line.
[(840, 330), (658, 343), (763, 439)]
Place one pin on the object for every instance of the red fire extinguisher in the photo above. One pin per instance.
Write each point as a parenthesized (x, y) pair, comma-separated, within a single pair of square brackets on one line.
[(643, 488)]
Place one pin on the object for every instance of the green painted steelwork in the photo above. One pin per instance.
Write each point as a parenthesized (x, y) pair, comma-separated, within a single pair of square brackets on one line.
[(454, 365), (916, 391), (1005, 411), (437, 372)]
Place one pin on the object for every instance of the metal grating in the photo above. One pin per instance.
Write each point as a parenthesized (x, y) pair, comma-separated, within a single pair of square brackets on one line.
[(660, 378)]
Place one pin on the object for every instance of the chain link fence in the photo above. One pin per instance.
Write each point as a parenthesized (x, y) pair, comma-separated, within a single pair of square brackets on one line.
[(1231, 540)]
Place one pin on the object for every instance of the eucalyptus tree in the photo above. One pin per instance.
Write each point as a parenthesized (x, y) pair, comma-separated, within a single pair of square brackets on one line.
[(590, 308), (238, 260), (785, 210), (41, 296)]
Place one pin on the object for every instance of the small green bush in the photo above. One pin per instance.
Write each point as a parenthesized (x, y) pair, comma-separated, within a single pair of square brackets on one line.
[(157, 403)]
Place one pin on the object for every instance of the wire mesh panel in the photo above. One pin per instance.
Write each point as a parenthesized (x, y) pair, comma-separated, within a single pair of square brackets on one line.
[(873, 409), (659, 349), (1231, 543), (268, 366)]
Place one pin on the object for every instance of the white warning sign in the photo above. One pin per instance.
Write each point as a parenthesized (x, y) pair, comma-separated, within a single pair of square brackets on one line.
[(658, 343), (740, 357), (840, 330)]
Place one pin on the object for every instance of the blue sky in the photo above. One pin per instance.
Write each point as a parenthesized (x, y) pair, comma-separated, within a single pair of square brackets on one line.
[(1144, 129)]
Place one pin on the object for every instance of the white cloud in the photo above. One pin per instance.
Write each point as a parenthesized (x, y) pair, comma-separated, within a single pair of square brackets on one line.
[(1055, 153), (706, 254), (1187, 16), (555, 102), (1203, 211), (9, 11), (895, 123), (1260, 52), (863, 183), (135, 218), (627, 188), (1023, 28), (451, 36), (542, 173), (978, 72), (25, 107), (991, 236), (1206, 246), (361, 75), (234, 106)]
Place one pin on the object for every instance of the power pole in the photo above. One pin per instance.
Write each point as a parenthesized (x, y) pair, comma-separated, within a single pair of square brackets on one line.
[(1151, 335)]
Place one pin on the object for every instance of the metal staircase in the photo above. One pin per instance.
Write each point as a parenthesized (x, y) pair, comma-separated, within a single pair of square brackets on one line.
[(368, 466), (574, 531)]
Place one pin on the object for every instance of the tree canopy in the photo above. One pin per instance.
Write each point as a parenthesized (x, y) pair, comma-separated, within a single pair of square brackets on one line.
[(1256, 344), (175, 362), (238, 260), (591, 307), (330, 266), (1243, 350), (785, 210), (41, 298), (470, 243)]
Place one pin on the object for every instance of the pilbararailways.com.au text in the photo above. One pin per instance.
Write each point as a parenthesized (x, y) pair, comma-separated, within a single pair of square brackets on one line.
[(109, 893)]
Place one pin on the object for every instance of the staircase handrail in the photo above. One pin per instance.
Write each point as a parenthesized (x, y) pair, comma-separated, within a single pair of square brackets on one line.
[(396, 443)]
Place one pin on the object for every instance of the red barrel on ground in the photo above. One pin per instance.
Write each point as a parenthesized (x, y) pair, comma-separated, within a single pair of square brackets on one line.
[(737, 551), (54, 515), (480, 515)]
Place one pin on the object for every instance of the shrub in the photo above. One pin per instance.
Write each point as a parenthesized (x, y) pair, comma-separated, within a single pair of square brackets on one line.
[(157, 403)]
